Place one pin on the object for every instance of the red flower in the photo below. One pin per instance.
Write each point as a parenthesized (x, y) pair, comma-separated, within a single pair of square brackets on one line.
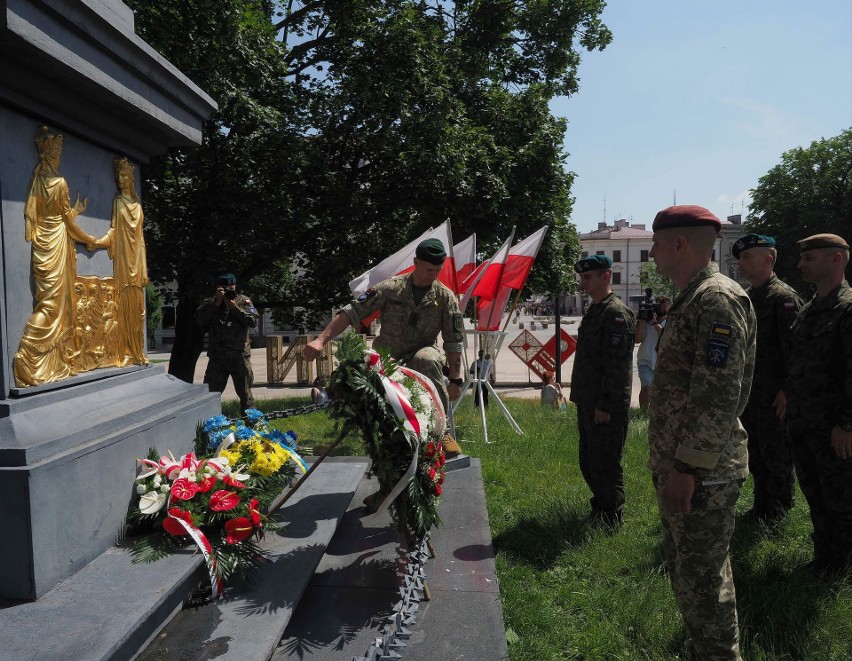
[(430, 449), (254, 512), (184, 489), (222, 501), (438, 489), (432, 473), (441, 479), (231, 482), (206, 484), (173, 527), (238, 529)]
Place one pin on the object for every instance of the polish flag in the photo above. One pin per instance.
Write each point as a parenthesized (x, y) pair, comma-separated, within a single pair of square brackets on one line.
[(489, 283), (464, 254), (518, 265), (402, 261)]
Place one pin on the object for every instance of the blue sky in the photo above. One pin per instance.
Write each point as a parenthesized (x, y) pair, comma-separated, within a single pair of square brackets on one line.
[(702, 97)]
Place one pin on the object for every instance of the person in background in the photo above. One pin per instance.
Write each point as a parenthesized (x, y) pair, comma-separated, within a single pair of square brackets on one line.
[(770, 458), (551, 393), (647, 333), (601, 385), (478, 371)]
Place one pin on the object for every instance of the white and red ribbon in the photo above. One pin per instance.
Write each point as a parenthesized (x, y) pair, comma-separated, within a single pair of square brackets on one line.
[(395, 395), (204, 545)]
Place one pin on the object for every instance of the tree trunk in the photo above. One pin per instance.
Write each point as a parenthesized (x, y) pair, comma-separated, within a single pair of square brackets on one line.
[(189, 339)]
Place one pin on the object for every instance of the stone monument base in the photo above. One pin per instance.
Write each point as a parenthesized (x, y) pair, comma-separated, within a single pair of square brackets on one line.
[(67, 463)]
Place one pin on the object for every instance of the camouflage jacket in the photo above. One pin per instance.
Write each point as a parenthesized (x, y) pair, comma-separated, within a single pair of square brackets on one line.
[(407, 327), (776, 305), (603, 361), (819, 388), (705, 362), (227, 329)]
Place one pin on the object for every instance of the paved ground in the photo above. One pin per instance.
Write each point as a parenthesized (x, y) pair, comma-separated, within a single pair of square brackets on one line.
[(514, 378)]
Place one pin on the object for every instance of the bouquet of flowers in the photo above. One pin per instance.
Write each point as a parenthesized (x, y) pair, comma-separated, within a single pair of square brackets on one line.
[(401, 419), (215, 497)]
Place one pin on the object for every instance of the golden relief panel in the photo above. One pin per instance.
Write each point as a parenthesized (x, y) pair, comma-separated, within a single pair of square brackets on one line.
[(80, 323)]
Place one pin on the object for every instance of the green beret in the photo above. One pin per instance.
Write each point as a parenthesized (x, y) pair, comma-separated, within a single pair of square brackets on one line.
[(822, 241), (432, 251), (593, 263), (685, 215), (750, 241), (226, 279)]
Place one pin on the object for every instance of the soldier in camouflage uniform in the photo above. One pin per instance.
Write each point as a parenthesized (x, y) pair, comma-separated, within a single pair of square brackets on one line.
[(770, 459), (699, 459), (819, 400), (227, 317), (600, 386), (415, 308)]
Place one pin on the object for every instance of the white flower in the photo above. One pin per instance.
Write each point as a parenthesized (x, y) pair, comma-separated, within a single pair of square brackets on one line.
[(141, 488), (151, 502), (165, 488), (157, 480)]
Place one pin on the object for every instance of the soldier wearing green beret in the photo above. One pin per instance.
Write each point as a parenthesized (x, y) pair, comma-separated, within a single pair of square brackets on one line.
[(601, 385), (698, 455), (416, 308), (227, 316), (819, 400), (770, 459)]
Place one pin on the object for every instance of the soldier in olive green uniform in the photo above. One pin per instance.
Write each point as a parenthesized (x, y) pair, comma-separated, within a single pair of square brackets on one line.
[(227, 317), (416, 308), (698, 460), (600, 386), (770, 459), (819, 400)]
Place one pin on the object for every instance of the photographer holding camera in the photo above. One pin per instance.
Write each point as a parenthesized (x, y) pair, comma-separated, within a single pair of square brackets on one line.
[(649, 324), (227, 317)]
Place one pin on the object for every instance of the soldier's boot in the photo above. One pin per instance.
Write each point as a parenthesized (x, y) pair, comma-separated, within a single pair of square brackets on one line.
[(451, 446)]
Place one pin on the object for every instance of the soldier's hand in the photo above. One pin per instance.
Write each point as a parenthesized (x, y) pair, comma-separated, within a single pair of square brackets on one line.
[(601, 417), (677, 494), (841, 442), (219, 295), (313, 349), (453, 391), (780, 404)]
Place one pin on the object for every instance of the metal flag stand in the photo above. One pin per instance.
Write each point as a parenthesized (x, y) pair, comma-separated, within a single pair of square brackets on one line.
[(493, 340)]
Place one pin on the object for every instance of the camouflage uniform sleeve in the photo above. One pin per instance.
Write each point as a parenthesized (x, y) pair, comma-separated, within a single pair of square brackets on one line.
[(722, 358), (452, 324), (365, 304), (616, 376), (206, 312), (786, 309), (246, 313)]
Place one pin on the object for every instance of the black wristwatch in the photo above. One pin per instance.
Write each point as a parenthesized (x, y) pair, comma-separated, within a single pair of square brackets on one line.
[(458, 381), (686, 469)]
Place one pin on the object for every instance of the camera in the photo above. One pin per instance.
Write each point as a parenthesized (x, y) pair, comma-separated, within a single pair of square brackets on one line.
[(230, 294), (649, 307)]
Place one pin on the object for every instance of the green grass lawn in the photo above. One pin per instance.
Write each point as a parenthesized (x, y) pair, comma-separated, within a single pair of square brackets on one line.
[(569, 591)]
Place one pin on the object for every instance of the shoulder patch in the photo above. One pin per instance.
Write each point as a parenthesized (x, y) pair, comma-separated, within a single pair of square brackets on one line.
[(722, 330), (618, 319), (366, 296), (717, 353), (616, 339), (789, 305)]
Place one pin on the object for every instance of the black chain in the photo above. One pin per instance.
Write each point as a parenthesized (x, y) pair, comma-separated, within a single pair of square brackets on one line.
[(289, 413)]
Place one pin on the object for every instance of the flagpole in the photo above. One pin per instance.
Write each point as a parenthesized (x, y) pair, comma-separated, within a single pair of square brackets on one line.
[(512, 309)]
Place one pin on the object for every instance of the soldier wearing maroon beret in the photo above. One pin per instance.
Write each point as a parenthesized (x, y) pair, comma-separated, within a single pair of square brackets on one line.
[(819, 400), (705, 361)]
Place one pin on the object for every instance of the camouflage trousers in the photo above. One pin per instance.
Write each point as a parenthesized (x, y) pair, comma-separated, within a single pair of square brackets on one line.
[(238, 367), (696, 546), (826, 482), (601, 448), (429, 361), (770, 460)]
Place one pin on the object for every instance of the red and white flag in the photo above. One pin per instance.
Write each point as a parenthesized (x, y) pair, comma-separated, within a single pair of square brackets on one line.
[(489, 284), (464, 254), (402, 261), (518, 265)]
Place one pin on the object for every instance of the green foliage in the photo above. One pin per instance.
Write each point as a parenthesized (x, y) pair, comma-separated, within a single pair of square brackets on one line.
[(153, 309), (346, 129), (809, 192), (660, 284)]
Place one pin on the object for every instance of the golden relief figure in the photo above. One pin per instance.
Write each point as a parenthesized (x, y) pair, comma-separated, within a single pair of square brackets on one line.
[(126, 246), (46, 350)]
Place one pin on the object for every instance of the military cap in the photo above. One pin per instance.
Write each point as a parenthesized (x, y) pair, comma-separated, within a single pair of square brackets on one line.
[(750, 241), (593, 263), (226, 279), (685, 215), (432, 251), (822, 241)]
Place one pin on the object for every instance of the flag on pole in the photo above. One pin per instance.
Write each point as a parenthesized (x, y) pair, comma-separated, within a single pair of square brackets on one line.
[(464, 254), (519, 262), (489, 283)]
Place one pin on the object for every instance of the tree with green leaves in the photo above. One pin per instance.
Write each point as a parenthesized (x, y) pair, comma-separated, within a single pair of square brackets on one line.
[(651, 278), (809, 192), (344, 130)]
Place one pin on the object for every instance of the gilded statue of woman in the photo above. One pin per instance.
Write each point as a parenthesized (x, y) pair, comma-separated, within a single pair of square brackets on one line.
[(126, 246), (45, 352)]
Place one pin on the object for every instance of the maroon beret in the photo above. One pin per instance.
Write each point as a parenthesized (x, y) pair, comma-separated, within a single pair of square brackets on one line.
[(685, 215)]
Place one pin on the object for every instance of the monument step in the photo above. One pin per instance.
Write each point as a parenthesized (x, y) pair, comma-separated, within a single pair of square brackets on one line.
[(112, 608)]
